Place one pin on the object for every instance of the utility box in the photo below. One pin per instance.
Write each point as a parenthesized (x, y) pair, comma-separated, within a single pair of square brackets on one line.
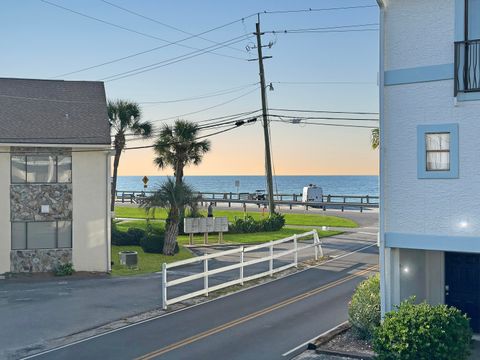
[(128, 258), (312, 193)]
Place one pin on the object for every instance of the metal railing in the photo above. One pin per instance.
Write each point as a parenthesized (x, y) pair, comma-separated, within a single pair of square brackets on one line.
[(240, 265), (467, 66), (328, 201)]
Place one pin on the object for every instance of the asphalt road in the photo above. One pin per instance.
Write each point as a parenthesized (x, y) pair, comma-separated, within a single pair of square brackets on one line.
[(262, 322)]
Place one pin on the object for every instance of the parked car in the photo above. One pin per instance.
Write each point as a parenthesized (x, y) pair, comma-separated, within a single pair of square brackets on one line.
[(259, 195)]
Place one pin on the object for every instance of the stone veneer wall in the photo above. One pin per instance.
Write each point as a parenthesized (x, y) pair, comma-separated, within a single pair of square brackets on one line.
[(38, 260), (26, 201)]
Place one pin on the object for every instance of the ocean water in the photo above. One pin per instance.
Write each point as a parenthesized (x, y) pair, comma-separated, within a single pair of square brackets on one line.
[(334, 185)]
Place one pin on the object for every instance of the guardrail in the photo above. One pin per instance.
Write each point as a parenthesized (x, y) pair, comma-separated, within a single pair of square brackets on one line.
[(328, 201), (241, 251)]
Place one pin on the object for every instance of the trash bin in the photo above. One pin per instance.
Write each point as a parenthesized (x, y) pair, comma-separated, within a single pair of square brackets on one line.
[(128, 258)]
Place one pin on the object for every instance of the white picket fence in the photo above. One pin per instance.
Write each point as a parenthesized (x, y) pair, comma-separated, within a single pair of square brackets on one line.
[(241, 251)]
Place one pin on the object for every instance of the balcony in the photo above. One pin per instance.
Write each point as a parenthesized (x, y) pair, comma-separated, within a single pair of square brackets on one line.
[(467, 66)]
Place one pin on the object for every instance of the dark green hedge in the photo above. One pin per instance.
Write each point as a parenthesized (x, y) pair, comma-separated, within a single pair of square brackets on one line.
[(249, 225)]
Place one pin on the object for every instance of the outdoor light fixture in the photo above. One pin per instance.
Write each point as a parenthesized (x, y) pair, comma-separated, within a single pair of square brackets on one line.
[(463, 224), (405, 269)]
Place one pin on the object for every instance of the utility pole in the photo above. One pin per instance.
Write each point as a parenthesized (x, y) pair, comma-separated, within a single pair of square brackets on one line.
[(266, 127)]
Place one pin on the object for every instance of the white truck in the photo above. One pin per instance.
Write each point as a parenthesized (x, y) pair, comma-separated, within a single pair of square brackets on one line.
[(312, 193)]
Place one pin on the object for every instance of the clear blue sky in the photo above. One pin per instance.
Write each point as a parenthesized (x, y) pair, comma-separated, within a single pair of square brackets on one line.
[(43, 41)]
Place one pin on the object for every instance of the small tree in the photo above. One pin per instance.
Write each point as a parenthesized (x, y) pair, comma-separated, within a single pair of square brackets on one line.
[(172, 197)]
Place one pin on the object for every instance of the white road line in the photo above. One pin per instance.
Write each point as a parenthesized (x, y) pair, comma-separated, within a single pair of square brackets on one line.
[(185, 308), (313, 339)]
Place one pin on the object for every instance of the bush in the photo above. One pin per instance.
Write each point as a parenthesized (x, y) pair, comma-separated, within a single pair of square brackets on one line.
[(249, 225), (64, 270), (131, 237), (154, 244), (423, 332), (364, 309)]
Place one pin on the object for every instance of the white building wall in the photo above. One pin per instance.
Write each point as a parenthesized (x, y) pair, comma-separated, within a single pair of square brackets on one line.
[(430, 206), (91, 220), (419, 33), (5, 242)]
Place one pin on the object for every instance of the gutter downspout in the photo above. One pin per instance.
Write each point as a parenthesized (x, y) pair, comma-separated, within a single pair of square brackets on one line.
[(108, 214), (381, 235)]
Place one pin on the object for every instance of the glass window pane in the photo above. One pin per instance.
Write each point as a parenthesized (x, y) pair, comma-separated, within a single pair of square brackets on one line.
[(64, 169), (439, 161), (19, 169), (437, 141), (19, 235), (41, 169), (473, 19), (64, 234), (42, 235)]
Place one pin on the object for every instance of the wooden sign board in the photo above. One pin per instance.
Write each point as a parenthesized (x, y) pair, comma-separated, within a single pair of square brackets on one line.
[(205, 225)]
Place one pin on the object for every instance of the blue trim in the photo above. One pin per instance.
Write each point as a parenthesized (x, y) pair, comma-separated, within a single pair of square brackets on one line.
[(468, 96), (422, 172), (433, 242), (419, 74), (459, 20)]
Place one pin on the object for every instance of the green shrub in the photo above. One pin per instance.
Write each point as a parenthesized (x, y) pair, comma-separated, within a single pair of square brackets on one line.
[(64, 270), (249, 225), (423, 332), (364, 309), (131, 237), (154, 244)]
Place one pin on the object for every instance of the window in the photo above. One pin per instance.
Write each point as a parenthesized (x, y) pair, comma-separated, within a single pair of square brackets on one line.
[(41, 169), (41, 235), (437, 151), (437, 146), (472, 21)]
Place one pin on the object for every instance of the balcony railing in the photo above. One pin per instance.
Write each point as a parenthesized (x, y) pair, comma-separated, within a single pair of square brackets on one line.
[(467, 66)]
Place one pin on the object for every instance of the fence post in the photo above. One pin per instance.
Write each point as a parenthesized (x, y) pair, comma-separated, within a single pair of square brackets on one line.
[(315, 237), (164, 286), (205, 278), (319, 245), (271, 260), (295, 247), (241, 265)]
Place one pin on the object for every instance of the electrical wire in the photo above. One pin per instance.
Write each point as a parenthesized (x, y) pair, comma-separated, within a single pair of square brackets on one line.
[(152, 49), (325, 124), (323, 118), (204, 96), (324, 82), (326, 111), (324, 28), (164, 24), (163, 63), (131, 30), (208, 108), (320, 9)]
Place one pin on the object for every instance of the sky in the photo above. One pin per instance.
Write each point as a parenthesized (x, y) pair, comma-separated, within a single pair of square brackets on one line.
[(334, 71)]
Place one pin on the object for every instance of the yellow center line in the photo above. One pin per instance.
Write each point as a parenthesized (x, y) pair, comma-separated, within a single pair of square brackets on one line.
[(254, 315)]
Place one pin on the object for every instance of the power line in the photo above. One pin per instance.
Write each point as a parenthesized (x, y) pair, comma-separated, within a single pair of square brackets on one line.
[(208, 108), (129, 29), (320, 9), (299, 31), (204, 96), (325, 82), (325, 124), (321, 118), (152, 49), (327, 111), (164, 24), (171, 61), (325, 28)]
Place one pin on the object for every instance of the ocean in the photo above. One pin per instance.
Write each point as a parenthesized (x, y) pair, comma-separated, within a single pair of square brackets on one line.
[(334, 185)]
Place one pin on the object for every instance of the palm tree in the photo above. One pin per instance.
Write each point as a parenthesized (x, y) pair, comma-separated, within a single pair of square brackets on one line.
[(375, 139), (178, 147), (172, 197), (124, 116)]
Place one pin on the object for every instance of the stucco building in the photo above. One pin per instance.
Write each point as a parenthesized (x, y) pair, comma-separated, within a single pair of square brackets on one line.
[(54, 175), (430, 129)]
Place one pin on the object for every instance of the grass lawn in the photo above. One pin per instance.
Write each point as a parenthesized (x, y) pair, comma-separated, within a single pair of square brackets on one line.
[(290, 219), (147, 263)]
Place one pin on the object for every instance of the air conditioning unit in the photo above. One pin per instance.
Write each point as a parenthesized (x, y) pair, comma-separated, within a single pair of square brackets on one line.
[(128, 258)]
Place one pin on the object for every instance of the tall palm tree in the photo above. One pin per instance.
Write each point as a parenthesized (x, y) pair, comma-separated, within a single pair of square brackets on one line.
[(375, 138), (124, 117), (177, 146), (172, 197)]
